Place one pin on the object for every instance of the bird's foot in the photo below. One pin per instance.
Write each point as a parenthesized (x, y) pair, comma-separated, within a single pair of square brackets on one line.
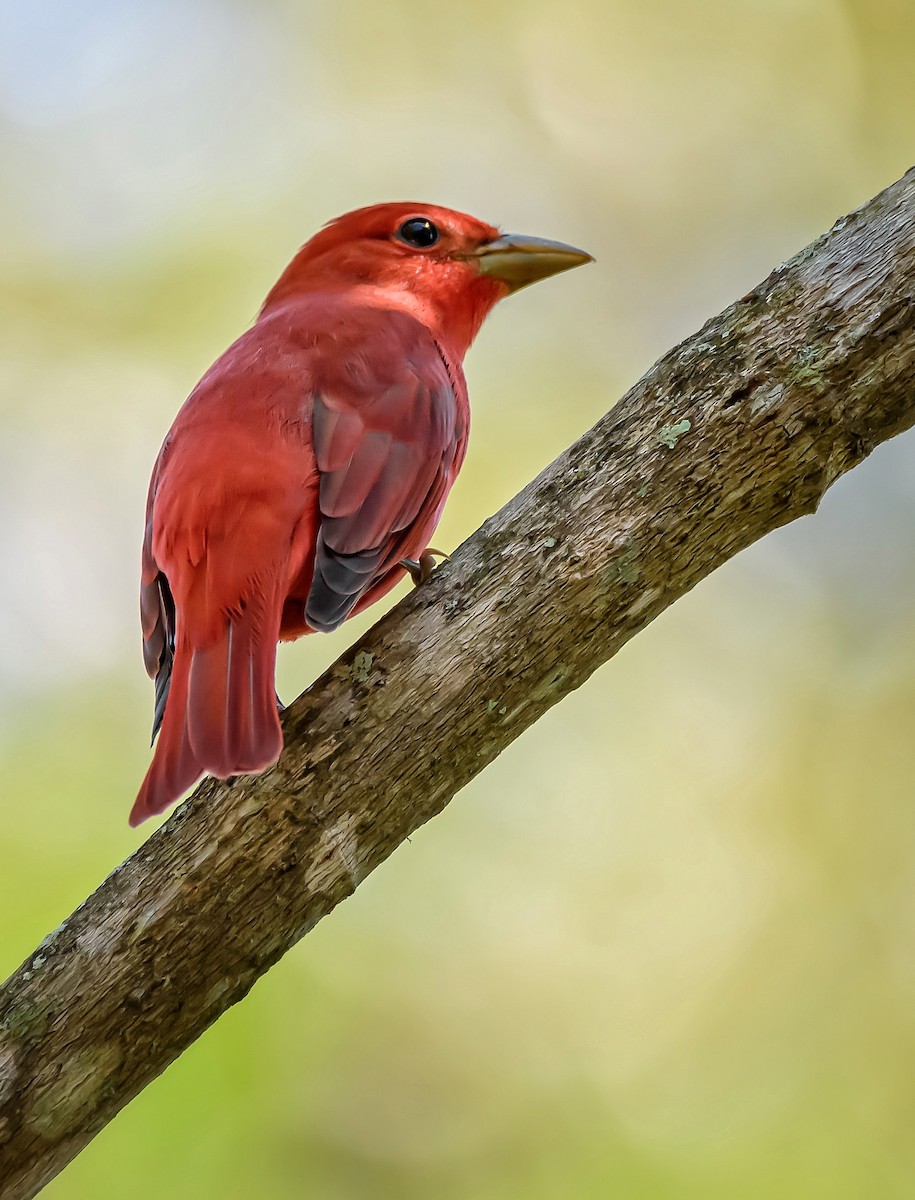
[(421, 569)]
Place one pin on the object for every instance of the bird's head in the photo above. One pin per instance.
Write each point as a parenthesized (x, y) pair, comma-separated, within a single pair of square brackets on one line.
[(445, 266)]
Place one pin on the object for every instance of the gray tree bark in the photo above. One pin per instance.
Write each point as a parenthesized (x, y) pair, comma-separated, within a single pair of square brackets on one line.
[(737, 431)]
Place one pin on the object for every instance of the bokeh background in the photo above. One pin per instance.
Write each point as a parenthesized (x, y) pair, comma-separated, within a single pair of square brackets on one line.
[(662, 948)]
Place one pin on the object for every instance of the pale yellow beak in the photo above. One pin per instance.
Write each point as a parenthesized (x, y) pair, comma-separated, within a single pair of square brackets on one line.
[(519, 260)]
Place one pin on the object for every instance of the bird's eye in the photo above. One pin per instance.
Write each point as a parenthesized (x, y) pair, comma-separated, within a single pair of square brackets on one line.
[(418, 232)]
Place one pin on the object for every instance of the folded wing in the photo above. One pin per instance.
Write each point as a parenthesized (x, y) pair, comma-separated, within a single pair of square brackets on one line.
[(385, 467)]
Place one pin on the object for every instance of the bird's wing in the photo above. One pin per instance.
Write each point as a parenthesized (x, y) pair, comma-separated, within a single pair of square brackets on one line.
[(385, 466), (157, 615)]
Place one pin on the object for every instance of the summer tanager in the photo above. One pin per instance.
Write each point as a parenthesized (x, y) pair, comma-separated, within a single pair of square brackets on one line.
[(308, 469)]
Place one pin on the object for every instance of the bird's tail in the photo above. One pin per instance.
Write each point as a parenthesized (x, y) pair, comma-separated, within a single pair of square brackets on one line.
[(221, 715)]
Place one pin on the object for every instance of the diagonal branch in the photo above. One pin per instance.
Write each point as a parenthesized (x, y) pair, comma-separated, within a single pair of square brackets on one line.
[(735, 432)]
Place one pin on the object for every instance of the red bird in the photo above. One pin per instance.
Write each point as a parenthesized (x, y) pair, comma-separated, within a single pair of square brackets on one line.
[(308, 469)]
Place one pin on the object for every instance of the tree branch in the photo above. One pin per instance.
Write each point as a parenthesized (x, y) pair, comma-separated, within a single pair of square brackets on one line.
[(737, 431)]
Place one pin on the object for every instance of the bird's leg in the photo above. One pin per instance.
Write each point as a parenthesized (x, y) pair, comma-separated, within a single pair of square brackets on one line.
[(421, 569)]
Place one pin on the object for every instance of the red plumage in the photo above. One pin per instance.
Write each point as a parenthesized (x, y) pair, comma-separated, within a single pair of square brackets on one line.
[(312, 458)]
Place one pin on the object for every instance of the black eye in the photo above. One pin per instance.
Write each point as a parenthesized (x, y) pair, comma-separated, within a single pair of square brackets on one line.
[(418, 232)]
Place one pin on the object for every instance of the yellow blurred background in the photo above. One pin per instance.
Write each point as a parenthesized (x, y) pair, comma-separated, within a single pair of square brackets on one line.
[(663, 948)]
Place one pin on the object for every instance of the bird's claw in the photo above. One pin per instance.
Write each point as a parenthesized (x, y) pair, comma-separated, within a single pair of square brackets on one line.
[(420, 570)]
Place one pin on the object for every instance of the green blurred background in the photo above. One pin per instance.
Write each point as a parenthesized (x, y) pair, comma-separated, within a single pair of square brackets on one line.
[(663, 948)]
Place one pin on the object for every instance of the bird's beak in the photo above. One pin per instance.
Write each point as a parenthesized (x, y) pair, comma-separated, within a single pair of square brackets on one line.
[(518, 260)]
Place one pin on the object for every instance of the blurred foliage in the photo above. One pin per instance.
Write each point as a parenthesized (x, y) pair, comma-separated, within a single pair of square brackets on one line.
[(662, 947)]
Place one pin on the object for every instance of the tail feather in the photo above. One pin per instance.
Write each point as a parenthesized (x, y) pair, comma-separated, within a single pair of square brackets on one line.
[(174, 767), (220, 714), (232, 719)]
